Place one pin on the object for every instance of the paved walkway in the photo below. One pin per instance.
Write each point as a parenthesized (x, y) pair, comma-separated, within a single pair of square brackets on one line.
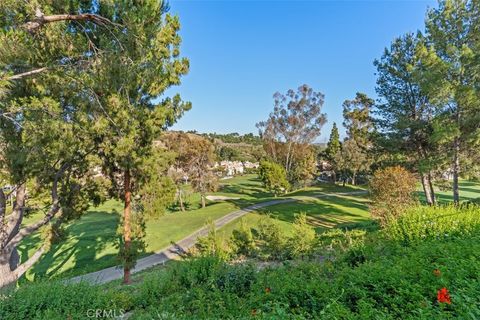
[(176, 250)]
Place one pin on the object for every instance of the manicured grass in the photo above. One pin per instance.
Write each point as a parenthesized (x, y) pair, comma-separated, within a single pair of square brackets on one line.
[(323, 212), (91, 241), (469, 190)]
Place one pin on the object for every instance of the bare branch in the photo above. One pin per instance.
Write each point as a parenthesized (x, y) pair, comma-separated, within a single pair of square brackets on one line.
[(41, 20), (26, 74), (54, 208), (21, 269)]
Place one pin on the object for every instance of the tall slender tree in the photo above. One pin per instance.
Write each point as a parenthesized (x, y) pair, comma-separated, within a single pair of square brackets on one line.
[(404, 115), (449, 74), (333, 147), (296, 121), (128, 81)]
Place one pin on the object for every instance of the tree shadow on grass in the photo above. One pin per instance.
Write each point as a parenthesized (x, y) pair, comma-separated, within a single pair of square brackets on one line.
[(86, 238), (322, 215)]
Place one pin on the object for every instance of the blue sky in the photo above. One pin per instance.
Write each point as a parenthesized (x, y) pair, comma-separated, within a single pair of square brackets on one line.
[(242, 52)]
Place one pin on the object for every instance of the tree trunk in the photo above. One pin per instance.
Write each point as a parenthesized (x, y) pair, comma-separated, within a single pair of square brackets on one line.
[(334, 177), (11, 269), (456, 171), (180, 200), (126, 224), (203, 200), (7, 269), (426, 189), (432, 191), (353, 178)]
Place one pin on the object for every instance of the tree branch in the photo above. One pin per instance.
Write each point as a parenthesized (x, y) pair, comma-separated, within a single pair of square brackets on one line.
[(55, 207), (26, 74), (41, 20), (21, 269)]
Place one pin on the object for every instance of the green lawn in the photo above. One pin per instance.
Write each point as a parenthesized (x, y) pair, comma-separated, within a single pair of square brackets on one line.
[(339, 211), (469, 190), (90, 245)]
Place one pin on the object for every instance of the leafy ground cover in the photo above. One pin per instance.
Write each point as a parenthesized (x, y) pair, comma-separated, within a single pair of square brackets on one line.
[(381, 277)]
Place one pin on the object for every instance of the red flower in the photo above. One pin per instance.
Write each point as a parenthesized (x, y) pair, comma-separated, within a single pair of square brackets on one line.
[(267, 290), (437, 272), (443, 296)]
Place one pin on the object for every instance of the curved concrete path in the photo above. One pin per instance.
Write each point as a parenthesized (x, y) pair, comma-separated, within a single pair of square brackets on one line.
[(176, 250)]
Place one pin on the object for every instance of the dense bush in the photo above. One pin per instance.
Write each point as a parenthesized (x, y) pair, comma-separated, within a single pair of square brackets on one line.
[(421, 223), (54, 300), (392, 190), (391, 281), (274, 177), (272, 239), (303, 241), (242, 240), (213, 244), (423, 265)]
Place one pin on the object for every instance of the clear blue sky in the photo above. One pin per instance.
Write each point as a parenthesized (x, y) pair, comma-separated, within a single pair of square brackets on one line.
[(241, 52)]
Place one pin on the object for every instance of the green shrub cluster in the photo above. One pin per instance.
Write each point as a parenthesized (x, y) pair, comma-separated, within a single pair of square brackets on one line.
[(54, 300), (422, 223), (392, 282), (268, 241), (396, 274)]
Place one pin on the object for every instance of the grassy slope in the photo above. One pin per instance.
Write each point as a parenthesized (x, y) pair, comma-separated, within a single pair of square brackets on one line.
[(468, 191), (90, 245)]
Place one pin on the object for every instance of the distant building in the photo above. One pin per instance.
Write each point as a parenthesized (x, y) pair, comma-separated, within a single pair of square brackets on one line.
[(232, 168)]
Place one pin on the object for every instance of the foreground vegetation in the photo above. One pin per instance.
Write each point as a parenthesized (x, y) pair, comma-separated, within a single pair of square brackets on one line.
[(350, 275), (91, 244)]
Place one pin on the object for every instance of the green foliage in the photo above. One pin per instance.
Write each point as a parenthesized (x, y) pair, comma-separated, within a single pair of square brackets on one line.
[(128, 256), (234, 137), (392, 191), (336, 240), (274, 177), (272, 239), (302, 243), (333, 145), (422, 223), (242, 240), (213, 244), (369, 279), (305, 169), (55, 300), (357, 119)]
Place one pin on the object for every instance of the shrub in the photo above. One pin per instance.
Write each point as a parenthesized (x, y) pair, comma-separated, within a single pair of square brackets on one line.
[(339, 240), (213, 244), (55, 300), (237, 280), (420, 223), (274, 177), (303, 240), (272, 239), (242, 240), (392, 190)]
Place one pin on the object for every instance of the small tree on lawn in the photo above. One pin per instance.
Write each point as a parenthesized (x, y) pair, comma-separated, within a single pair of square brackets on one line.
[(201, 157), (274, 177), (333, 147), (392, 190)]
